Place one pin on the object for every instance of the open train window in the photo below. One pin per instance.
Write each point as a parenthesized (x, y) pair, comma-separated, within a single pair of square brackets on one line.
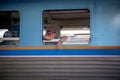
[(75, 24), (9, 28)]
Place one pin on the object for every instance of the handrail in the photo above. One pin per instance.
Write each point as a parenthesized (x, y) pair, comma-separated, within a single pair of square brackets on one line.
[(16, 38)]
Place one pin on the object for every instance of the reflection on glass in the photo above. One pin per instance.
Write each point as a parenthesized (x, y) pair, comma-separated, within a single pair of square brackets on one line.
[(9, 28), (75, 24)]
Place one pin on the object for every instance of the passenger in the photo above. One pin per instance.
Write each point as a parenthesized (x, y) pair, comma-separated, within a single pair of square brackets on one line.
[(15, 30), (51, 34)]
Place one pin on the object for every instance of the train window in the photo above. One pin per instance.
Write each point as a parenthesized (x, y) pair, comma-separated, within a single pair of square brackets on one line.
[(70, 26), (9, 28)]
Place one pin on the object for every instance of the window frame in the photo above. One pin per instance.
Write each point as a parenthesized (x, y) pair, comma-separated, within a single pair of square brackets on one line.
[(66, 10)]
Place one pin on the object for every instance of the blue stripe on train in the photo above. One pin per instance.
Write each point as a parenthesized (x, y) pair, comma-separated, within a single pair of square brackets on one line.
[(57, 52)]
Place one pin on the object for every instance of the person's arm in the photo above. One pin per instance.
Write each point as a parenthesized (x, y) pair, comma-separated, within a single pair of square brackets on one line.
[(60, 42), (63, 38)]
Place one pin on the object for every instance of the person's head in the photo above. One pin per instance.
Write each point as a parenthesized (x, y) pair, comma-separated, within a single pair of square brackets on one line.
[(51, 32)]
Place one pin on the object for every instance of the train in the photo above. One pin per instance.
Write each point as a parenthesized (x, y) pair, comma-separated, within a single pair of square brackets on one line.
[(91, 51)]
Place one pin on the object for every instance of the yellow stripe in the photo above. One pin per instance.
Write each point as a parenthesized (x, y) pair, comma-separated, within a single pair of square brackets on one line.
[(63, 48)]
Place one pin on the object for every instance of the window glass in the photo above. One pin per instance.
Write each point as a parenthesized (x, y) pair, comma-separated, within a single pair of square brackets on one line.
[(9, 28), (73, 24)]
